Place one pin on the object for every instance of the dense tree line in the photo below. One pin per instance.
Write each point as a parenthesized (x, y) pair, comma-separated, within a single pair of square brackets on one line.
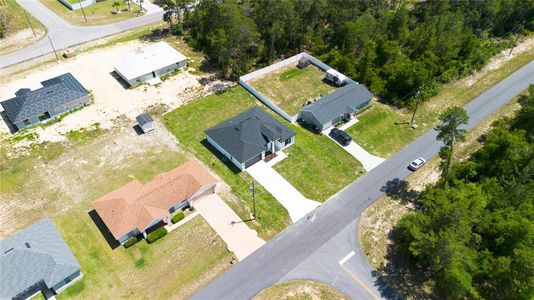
[(474, 235), (394, 47)]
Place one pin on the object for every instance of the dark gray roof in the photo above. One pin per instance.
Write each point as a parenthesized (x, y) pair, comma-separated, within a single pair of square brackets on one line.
[(247, 134), (55, 91), (333, 105), (37, 253), (144, 118)]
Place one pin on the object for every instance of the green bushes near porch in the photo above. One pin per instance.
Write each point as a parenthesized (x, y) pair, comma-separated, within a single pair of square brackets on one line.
[(156, 235), (177, 217), (130, 242)]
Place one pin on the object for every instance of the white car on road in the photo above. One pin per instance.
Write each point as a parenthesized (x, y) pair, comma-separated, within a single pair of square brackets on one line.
[(417, 163)]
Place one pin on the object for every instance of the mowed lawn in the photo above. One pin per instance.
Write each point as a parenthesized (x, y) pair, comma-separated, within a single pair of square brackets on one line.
[(99, 13), (316, 166), (60, 180), (380, 133), (291, 88)]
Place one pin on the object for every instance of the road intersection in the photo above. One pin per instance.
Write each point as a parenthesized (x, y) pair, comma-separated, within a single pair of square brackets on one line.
[(63, 34)]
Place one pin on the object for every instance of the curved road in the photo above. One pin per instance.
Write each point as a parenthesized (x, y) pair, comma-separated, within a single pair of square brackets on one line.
[(323, 246), (63, 34)]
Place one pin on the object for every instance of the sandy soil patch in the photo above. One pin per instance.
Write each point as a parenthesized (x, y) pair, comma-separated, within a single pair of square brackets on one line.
[(111, 100), (500, 59), (300, 289), (20, 40)]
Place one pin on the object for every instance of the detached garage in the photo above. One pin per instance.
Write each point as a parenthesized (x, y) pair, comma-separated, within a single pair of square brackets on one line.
[(149, 62)]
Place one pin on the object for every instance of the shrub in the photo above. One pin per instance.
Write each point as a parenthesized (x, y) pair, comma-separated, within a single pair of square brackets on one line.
[(156, 235), (177, 217), (130, 242)]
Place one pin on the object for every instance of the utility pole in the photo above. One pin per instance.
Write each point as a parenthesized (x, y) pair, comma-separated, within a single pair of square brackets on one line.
[(83, 12), (29, 22), (417, 96), (251, 189), (52, 47)]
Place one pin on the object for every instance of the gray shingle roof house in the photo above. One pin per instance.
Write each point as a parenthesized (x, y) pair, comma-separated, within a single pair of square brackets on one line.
[(333, 107), (36, 259), (58, 95), (246, 138)]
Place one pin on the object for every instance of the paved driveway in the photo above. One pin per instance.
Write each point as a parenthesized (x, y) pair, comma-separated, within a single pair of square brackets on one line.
[(292, 200), (368, 160), (238, 236)]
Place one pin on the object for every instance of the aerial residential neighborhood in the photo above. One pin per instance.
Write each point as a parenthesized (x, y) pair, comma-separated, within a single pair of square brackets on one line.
[(180, 149)]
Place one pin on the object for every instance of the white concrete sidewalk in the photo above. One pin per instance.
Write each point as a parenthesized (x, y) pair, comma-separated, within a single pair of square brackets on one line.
[(294, 202), (170, 227), (239, 238), (368, 160), (345, 126)]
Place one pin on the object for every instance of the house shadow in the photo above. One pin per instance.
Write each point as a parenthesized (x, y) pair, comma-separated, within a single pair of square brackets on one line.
[(6, 120), (117, 77), (138, 129), (112, 242), (221, 157)]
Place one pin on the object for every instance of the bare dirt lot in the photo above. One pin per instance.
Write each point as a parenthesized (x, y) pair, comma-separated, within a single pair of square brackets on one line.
[(94, 70)]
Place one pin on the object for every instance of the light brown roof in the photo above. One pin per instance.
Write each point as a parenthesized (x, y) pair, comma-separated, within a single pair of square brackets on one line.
[(135, 205)]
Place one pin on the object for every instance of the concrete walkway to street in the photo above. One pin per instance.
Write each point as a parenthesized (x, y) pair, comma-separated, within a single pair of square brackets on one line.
[(170, 227), (235, 233), (291, 199)]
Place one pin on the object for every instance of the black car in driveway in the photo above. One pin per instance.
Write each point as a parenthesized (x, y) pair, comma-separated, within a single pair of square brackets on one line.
[(341, 136)]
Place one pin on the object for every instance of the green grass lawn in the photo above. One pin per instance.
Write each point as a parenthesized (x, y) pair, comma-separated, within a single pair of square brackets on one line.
[(188, 123), (378, 133), (291, 88), (311, 159), (176, 265), (99, 13)]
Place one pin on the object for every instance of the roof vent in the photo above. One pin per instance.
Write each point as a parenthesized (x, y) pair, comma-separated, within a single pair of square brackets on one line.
[(22, 92), (8, 250), (27, 245)]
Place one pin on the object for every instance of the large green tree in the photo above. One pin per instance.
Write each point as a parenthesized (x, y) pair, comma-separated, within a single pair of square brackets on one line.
[(449, 132)]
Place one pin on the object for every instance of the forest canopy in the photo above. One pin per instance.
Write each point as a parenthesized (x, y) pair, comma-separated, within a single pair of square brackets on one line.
[(475, 235), (396, 47)]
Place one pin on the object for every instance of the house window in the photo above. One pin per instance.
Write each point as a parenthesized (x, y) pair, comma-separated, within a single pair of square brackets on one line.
[(288, 141), (67, 280), (26, 122)]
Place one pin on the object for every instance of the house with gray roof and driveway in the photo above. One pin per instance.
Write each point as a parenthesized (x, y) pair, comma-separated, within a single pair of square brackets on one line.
[(34, 260), (58, 95), (334, 107), (248, 137)]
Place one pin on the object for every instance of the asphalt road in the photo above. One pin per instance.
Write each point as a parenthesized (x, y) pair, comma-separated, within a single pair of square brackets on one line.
[(323, 246), (64, 35)]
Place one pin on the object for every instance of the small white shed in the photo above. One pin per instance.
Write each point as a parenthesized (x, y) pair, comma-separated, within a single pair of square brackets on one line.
[(146, 122), (335, 77)]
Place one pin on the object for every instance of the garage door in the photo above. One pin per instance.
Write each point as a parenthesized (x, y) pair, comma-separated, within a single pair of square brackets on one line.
[(252, 161)]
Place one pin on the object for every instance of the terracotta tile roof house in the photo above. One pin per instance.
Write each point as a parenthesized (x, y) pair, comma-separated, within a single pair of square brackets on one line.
[(134, 207)]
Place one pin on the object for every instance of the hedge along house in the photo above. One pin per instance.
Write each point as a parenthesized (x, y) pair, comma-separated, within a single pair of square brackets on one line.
[(149, 63), (334, 107), (58, 95), (34, 260), (246, 138), (134, 208)]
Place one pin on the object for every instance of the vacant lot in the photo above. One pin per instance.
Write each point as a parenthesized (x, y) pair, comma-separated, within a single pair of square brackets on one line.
[(60, 180), (316, 166), (17, 30), (378, 133), (97, 14), (291, 88), (300, 289)]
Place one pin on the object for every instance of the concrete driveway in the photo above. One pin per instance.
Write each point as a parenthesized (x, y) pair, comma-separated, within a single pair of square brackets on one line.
[(235, 233), (368, 160), (292, 200)]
